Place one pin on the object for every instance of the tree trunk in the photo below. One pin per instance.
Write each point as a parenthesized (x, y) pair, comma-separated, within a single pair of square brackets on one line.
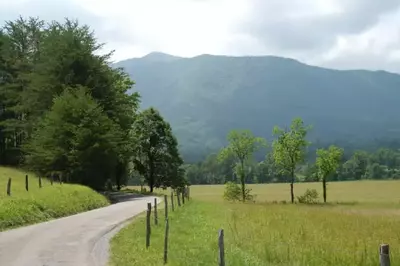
[(242, 177), (324, 188), (291, 186)]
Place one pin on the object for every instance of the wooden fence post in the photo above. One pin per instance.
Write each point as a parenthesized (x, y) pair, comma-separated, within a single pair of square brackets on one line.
[(384, 257), (40, 182), (148, 228), (60, 179), (221, 247), (155, 212), (178, 198), (166, 241), (172, 201), (188, 192), (183, 197), (166, 206), (51, 179), (26, 183), (9, 187)]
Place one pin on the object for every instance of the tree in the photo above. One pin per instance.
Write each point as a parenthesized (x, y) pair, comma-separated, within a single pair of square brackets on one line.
[(156, 151), (76, 138), (242, 145), (328, 161), (289, 149), (39, 62)]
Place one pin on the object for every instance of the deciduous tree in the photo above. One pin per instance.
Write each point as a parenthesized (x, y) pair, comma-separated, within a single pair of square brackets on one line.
[(289, 149), (156, 151), (242, 145), (328, 161)]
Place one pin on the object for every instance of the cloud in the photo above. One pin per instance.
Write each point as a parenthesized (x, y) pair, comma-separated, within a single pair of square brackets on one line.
[(332, 33)]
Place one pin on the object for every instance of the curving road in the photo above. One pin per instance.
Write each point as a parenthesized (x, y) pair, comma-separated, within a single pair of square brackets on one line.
[(78, 240)]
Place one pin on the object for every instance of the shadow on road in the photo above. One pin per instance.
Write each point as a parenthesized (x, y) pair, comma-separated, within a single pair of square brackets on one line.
[(116, 197)]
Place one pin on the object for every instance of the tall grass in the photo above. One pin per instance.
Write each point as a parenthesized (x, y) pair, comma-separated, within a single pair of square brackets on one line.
[(273, 234), (41, 204)]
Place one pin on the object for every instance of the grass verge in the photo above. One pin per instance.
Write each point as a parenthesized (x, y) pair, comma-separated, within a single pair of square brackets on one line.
[(262, 234), (41, 204)]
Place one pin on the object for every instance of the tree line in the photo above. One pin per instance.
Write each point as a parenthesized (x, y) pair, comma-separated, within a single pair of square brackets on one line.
[(288, 160), (64, 109)]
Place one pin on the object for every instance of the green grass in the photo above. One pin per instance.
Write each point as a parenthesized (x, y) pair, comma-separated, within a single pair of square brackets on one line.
[(273, 234), (41, 204)]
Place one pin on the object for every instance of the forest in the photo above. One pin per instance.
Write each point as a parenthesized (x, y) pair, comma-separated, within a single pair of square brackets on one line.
[(65, 111), (381, 163)]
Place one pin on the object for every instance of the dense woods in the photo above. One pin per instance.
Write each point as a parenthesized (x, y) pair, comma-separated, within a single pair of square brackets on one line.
[(65, 110), (382, 163)]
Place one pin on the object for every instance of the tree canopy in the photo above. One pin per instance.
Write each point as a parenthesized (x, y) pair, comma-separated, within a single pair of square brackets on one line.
[(242, 145), (65, 109), (289, 149)]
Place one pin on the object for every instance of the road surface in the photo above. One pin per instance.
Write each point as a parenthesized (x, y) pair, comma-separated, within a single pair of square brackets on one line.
[(78, 240)]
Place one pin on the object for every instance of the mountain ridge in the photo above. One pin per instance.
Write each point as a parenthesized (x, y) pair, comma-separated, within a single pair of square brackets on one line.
[(205, 96)]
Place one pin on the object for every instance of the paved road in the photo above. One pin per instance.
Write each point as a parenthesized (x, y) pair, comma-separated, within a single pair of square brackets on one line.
[(78, 240)]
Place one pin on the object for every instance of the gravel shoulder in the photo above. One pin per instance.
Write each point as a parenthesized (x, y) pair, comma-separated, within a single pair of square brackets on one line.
[(79, 240)]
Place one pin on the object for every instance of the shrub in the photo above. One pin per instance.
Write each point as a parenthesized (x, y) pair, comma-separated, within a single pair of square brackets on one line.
[(233, 192), (309, 197)]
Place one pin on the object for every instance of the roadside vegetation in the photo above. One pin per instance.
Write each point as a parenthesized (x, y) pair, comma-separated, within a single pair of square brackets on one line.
[(362, 215), (67, 114), (41, 204)]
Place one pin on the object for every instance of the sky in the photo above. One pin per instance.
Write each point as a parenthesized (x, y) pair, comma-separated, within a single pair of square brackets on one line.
[(342, 34)]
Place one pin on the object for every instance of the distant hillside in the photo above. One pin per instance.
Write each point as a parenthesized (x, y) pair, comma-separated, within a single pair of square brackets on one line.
[(206, 96)]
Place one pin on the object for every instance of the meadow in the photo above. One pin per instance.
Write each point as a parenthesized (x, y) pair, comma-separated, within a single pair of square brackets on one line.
[(41, 204), (347, 231)]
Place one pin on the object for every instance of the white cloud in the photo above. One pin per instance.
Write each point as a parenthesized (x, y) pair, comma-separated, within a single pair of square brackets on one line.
[(333, 33), (179, 27)]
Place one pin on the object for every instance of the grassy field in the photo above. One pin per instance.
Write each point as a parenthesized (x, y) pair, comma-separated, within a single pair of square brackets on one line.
[(364, 215), (41, 204)]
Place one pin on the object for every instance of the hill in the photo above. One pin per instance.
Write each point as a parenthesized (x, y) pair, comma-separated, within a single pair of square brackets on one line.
[(206, 96), (41, 204)]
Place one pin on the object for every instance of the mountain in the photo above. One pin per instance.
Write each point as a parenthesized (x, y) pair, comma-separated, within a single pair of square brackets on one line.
[(206, 96)]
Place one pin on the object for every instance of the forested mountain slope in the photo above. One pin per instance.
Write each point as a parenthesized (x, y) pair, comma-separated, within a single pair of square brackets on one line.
[(206, 96)]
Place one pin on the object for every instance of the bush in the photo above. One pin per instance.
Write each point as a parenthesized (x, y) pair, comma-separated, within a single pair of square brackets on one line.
[(233, 192), (309, 197)]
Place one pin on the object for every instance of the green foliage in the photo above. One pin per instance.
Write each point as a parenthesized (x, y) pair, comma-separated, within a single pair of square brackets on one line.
[(328, 161), (77, 135), (41, 204), (289, 149), (64, 108), (309, 197), (233, 192), (242, 145), (156, 154)]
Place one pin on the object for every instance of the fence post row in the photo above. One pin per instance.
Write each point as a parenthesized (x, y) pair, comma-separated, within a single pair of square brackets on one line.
[(26, 183), (166, 206), (9, 187), (178, 198), (172, 201), (221, 247), (166, 241), (148, 229), (155, 212), (384, 257)]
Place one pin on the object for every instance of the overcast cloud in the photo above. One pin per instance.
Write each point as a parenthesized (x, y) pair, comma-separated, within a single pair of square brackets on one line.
[(343, 34)]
